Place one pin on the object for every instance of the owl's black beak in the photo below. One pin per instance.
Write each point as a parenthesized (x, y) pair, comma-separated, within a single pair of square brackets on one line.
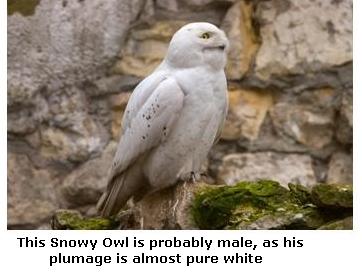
[(221, 47)]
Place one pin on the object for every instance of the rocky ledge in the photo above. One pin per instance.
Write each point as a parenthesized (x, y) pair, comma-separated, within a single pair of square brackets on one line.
[(264, 204)]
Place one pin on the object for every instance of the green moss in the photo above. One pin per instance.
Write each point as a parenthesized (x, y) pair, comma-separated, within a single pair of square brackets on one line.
[(300, 193), (256, 205), (72, 220), (213, 206), (333, 195), (24, 7), (263, 188), (226, 206)]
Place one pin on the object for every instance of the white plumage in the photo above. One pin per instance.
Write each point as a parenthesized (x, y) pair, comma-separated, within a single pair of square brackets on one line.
[(172, 119)]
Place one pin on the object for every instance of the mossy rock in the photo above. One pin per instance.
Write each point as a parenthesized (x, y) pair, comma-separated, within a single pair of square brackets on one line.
[(263, 204), (256, 205), (300, 193), (333, 195), (344, 224), (72, 220)]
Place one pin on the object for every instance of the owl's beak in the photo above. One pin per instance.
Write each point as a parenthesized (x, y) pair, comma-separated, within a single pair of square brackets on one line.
[(222, 47)]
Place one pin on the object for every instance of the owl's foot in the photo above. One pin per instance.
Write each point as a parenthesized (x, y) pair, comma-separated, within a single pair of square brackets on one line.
[(191, 177), (194, 177)]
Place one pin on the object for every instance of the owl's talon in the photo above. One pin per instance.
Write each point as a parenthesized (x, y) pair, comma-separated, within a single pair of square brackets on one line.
[(193, 177)]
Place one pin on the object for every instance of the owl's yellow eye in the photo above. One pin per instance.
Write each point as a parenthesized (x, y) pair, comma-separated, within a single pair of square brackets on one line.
[(205, 36)]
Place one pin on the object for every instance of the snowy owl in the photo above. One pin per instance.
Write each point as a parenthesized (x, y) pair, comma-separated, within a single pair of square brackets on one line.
[(173, 118)]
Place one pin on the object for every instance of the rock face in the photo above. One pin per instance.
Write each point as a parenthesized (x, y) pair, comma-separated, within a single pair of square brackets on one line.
[(85, 184), (56, 50), (72, 66), (243, 39), (303, 36), (340, 168), (31, 193), (267, 165), (246, 114), (308, 119), (345, 121), (145, 48), (65, 42)]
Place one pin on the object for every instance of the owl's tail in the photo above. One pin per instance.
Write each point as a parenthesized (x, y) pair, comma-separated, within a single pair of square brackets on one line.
[(113, 199), (119, 190)]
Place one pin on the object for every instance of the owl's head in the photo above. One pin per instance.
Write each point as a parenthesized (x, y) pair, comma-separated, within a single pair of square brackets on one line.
[(197, 44)]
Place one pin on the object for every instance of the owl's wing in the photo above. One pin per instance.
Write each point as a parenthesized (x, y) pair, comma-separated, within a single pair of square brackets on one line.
[(149, 116), (222, 120)]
